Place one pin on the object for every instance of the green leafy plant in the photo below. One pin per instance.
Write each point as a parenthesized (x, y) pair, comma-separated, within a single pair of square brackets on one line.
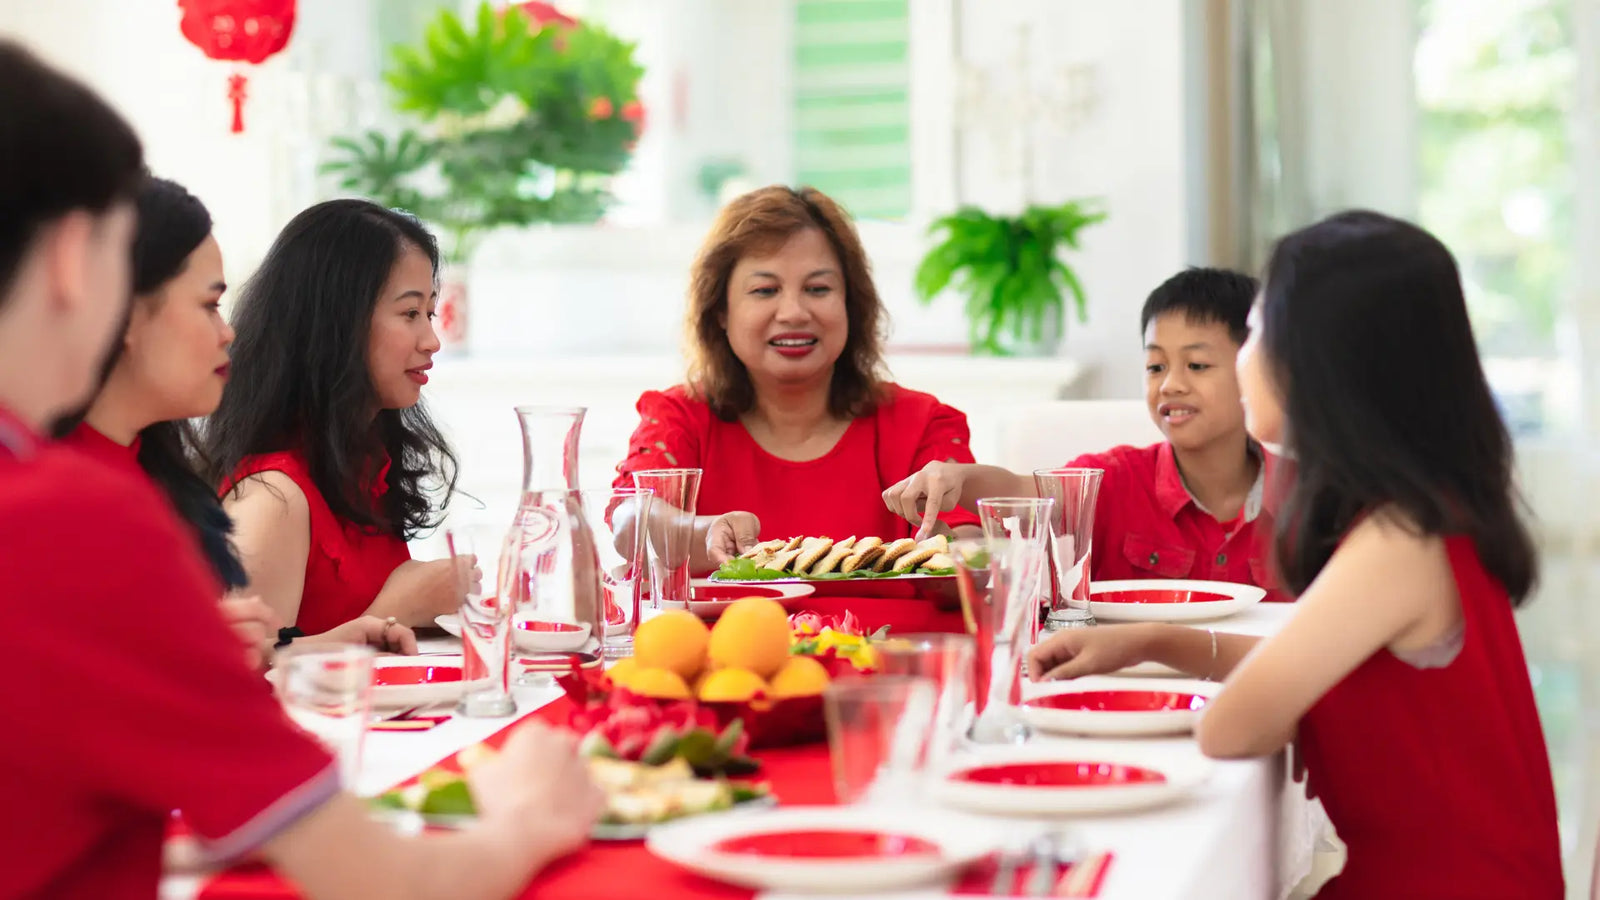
[(1009, 268), (514, 122)]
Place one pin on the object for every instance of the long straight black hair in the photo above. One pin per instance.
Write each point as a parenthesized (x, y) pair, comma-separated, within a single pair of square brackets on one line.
[(1365, 329), (172, 224), (300, 377)]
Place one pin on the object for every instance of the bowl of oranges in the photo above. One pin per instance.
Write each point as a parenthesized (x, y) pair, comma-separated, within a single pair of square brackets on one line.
[(740, 668)]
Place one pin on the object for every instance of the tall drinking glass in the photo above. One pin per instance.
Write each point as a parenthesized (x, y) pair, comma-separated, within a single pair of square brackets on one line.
[(485, 620), (671, 542), (947, 661), (1071, 540), (326, 689), (878, 731), (1027, 520), (996, 579), (617, 518)]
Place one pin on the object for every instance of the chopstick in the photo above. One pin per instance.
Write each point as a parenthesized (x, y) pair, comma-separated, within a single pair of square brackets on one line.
[(1083, 879)]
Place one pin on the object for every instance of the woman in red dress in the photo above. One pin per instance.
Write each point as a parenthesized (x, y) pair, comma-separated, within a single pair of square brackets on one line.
[(321, 447), (136, 701), (785, 408), (168, 368), (1400, 678)]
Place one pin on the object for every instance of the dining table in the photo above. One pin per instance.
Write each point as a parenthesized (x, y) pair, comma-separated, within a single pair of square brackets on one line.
[(1247, 831)]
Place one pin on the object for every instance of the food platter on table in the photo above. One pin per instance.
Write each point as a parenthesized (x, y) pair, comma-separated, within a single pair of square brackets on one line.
[(639, 796), (858, 567), (857, 850), (1164, 600)]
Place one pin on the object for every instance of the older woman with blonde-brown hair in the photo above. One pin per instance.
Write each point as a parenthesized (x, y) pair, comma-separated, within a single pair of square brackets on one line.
[(785, 407)]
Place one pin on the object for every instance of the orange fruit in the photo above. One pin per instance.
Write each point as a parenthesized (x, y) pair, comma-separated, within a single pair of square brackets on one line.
[(801, 676), (753, 634), (662, 684), (675, 640), (730, 685), (622, 670)]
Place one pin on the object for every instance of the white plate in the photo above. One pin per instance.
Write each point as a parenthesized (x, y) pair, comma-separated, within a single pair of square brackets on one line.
[(720, 594), (1117, 707), (954, 842), (1093, 777), (1182, 601), (525, 639), (436, 680)]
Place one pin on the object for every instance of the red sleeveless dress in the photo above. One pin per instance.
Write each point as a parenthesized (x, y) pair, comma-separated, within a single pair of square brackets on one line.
[(346, 565), (1437, 779)]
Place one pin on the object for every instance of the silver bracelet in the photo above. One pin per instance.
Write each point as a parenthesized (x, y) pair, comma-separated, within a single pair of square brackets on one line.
[(1211, 673)]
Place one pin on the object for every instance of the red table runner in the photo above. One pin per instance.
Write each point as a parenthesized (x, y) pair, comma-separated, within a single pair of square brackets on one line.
[(603, 871)]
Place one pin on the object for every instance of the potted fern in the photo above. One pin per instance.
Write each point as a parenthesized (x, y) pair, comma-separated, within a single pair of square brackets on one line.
[(1011, 272)]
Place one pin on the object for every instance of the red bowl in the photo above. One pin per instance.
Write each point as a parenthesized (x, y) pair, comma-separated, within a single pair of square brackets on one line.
[(788, 722)]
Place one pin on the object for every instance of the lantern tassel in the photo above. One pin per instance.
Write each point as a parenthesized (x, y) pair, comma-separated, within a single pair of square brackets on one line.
[(237, 84)]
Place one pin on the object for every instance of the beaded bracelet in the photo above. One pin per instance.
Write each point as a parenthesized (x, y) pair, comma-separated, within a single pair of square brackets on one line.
[(285, 635)]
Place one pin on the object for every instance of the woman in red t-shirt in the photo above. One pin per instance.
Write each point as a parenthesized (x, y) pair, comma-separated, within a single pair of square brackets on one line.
[(1400, 678), (321, 446), (168, 368), (784, 408), (136, 701)]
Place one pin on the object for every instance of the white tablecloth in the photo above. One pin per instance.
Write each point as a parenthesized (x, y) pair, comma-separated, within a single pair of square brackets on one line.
[(1247, 833)]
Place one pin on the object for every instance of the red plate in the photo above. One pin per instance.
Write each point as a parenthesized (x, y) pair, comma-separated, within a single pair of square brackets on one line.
[(733, 592), (1059, 775), (1159, 596), (827, 844), (395, 676), (549, 627), (1119, 701)]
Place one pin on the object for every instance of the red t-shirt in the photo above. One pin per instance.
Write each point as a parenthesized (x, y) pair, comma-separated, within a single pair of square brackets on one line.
[(130, 697), (1146, 524), (347, 564), (836, 495), (90, 442), (1438, 779)]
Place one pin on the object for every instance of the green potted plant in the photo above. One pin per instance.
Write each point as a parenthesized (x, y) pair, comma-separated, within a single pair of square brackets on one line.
[(521, 119), (1011, 272)]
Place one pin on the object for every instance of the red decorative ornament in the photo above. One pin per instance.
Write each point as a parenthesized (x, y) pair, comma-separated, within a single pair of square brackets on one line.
[(546, 13), (242, 31)]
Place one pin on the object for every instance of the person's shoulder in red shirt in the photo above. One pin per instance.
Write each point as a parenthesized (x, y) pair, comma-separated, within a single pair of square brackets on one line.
[(673, 425), (1193, 506)]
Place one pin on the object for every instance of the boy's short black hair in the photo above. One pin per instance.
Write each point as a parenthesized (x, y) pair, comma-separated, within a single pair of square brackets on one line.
[(1205, 295)]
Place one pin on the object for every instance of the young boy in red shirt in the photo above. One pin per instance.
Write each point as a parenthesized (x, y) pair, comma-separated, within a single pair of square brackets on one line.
[(1188, 507)]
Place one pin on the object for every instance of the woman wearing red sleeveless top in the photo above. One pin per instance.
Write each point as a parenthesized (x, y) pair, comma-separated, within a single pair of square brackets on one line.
[(784, 408), (1400, 678), (321, 445)]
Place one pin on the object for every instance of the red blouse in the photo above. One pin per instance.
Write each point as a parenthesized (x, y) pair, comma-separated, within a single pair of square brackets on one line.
[(1437, 779), (835, 495), (136, 699), (347, 564)]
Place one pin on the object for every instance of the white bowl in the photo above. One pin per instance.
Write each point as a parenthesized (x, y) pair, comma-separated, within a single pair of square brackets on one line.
[(786, 849), (1070, 778), (1117, 707), (1162, 600)]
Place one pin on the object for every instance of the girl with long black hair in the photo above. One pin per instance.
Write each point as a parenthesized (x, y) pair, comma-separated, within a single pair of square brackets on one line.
[(1400, 678), (322, 447)]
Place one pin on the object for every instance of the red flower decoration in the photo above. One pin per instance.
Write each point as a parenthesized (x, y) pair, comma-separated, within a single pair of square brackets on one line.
[(601, 108), (546, 14)]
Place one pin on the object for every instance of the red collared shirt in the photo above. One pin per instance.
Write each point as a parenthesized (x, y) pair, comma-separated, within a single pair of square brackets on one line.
[(131, 698), (1147, 525)]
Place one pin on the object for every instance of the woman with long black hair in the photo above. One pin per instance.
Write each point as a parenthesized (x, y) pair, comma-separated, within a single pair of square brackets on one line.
[(321, 447), (168, 368), (1400, 679)]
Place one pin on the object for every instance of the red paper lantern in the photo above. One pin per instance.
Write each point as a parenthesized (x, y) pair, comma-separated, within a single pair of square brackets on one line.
[(243, 31)]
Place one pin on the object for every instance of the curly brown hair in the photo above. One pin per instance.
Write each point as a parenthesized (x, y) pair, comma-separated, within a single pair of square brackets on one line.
[(760, 222)]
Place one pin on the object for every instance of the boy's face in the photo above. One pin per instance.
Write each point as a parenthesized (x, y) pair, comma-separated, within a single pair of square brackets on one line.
[(1191, 386)]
